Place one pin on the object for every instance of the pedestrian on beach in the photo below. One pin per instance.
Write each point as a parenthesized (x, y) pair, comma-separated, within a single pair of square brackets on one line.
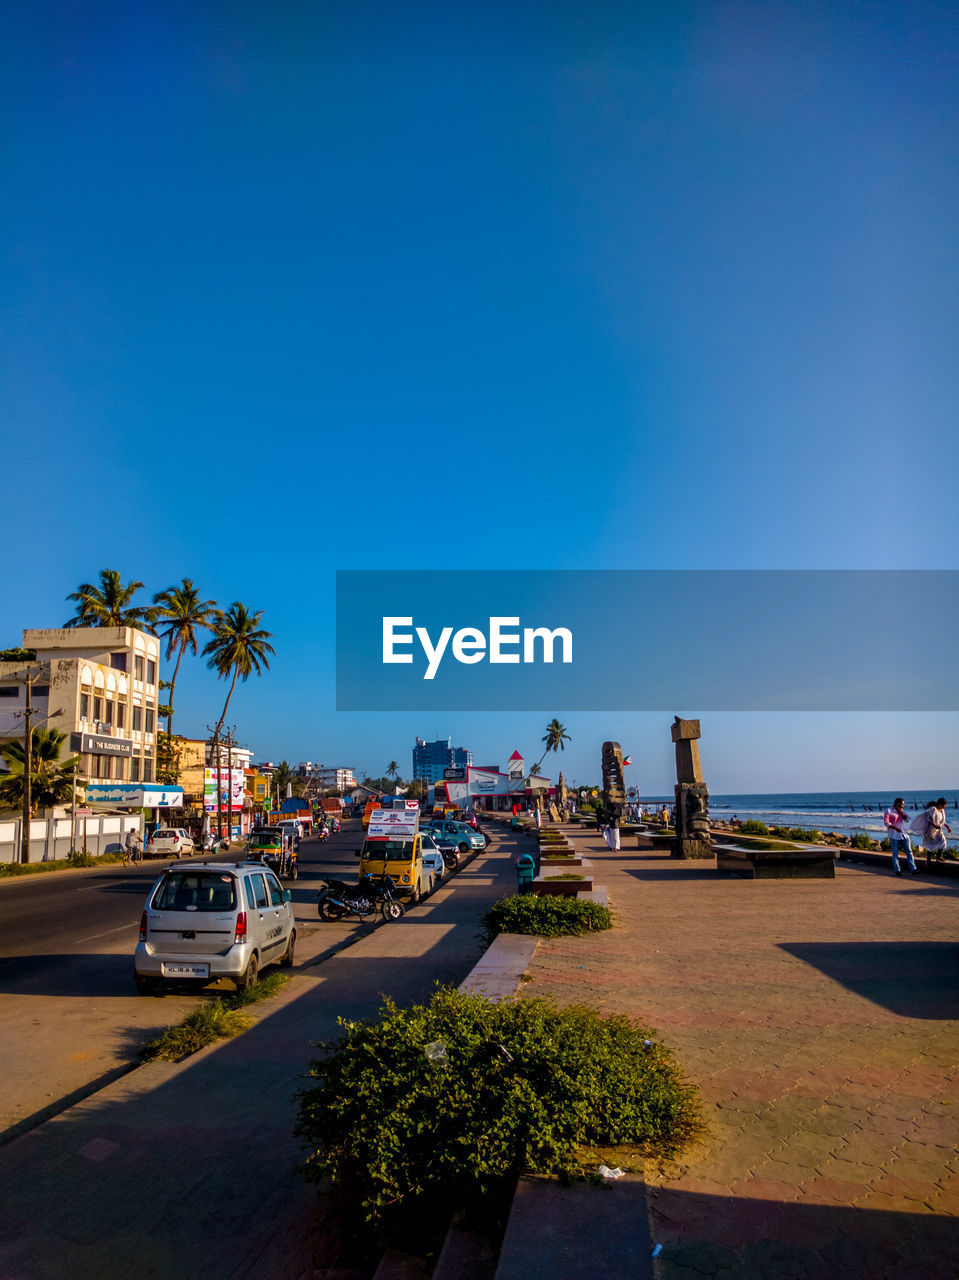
[(894, 819), (936, 826)]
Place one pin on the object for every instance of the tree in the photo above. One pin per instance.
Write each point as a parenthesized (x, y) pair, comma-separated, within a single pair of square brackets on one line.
[(284, 776), (555, 738), (51, 779), (107, 605), (178, 612), (392, 770), (239, 646), (535, 771)]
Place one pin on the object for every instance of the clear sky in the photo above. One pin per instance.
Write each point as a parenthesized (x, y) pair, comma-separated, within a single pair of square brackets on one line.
[(617, 285)]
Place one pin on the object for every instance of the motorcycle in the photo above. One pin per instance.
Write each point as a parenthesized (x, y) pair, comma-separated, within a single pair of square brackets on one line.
[(338, 899), (213, 845), (322, 833)]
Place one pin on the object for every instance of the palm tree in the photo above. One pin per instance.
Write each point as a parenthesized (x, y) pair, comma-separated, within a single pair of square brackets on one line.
[(392, 769), (178, 612), (284, 776), (555, 738), (238, 645), (107, 605), (51, 779)]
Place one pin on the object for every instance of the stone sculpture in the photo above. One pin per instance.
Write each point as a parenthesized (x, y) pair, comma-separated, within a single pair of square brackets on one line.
[(692, 796)]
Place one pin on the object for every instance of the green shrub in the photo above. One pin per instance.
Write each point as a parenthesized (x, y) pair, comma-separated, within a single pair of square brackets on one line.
[(802, 835), (220, 1020), (81, 858), (446, 1103), (753, 828), (546, 917), (861, 841)]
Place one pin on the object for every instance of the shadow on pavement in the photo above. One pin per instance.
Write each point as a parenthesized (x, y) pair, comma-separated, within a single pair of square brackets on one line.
[(684, 872), (911, 979), (67, 975), (734, 1236)]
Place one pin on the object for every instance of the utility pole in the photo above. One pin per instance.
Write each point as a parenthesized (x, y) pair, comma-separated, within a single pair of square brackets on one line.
[(229, 776), (27, 769)]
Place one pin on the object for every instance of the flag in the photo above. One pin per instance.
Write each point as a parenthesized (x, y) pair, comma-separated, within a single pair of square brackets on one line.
[(626, 762)]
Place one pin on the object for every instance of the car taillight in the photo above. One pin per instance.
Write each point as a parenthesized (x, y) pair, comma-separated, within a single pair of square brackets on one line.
[(143, 927), (176, 839), (240, 935)]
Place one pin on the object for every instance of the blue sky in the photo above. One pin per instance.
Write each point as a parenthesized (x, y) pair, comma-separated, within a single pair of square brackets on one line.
[(625, 286)]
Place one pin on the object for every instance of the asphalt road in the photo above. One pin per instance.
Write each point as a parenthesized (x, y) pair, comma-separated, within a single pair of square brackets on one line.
[(69, 1013)]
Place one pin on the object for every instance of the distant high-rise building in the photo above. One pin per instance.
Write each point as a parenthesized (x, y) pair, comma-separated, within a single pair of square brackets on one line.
[(431, 758)]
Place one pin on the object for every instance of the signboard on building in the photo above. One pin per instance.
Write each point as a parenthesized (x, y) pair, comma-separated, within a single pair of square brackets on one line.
[(126, 795), (98, 744), (453, 774), (232, 782)]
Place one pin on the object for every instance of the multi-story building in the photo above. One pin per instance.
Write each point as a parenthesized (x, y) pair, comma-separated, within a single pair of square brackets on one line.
[(327, 777), (97, 685), (431, 758)]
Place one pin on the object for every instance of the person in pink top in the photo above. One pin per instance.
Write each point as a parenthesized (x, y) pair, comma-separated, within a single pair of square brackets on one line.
[(894, 819)]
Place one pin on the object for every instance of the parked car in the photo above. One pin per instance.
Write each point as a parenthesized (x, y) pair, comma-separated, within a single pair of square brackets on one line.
[(465, 837), (433, 861), (167, 840), (447, 846), (213, 920)]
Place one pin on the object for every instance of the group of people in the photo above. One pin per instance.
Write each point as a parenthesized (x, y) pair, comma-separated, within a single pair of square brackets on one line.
[(930, 826)]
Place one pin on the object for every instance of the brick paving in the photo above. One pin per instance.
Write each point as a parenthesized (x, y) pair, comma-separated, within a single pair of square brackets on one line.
[(818, 1019)]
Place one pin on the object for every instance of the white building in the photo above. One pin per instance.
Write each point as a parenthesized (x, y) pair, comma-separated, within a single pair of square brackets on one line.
[(336, 777), (97, 685)]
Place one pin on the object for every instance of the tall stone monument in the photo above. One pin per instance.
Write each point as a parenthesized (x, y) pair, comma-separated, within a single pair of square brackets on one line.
[(614, 788), (692, 796)]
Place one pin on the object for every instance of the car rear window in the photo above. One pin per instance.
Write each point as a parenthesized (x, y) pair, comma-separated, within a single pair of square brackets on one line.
[(195, 891), (163, 835)]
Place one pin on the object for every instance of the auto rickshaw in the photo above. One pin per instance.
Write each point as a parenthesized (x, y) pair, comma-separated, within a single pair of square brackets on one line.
[(275, 848)]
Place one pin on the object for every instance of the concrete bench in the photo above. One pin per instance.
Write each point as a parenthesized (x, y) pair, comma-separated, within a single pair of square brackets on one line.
[(776, 864)]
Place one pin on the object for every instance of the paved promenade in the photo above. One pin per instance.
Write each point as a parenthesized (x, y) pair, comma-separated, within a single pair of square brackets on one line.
[(819, 1020)]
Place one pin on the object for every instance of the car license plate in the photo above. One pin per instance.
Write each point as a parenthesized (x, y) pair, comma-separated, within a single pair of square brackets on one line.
[(186, 970)]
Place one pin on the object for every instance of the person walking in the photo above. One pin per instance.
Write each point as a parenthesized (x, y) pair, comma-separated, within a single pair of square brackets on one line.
[(894, 819), (936, 826)]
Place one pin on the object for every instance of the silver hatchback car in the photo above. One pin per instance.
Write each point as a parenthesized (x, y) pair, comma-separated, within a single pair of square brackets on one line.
[(213, 920)]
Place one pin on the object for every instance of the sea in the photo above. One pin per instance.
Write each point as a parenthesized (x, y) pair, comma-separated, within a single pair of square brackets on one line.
[(847, 812)]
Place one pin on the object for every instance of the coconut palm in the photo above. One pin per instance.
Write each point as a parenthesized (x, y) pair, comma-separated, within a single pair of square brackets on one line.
[(178, 612), (107, 605), (284, 776), (555, 738), (51, 779), (238, 645), (392, 769)]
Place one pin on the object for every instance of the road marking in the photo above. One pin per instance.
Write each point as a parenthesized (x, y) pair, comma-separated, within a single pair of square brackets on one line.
[(123, 929)]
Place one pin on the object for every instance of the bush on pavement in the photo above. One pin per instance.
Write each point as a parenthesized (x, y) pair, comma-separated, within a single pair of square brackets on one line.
[(446, 1103)]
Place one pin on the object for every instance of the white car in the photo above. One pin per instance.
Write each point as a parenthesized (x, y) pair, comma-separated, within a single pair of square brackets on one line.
[(433, 863), (167, 840), (213, 920)]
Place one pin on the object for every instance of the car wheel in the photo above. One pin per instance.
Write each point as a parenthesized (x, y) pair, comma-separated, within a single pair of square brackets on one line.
[(464, 848), (286, 960), (145, 986), (293, 872), (432, 887), (393, 910), (247, 979)]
